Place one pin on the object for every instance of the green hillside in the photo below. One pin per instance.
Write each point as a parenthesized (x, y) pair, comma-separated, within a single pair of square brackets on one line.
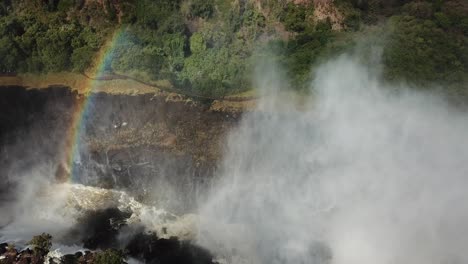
[(208, 47)]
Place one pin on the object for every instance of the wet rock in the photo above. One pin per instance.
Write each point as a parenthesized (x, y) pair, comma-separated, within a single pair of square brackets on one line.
[(156, 138), (3, 248), (146, 247), (62, 173), (169, 141), (29, 257), (151, 249), (78, 254), (86, 258), (100, 228), (158, 143), (54, 260), (69, 259), (76, 258), (9, 256), (117, 167)]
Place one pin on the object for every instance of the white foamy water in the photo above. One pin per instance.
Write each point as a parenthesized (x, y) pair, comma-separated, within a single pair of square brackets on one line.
[(59, 250), (55, 209), (154, 219)]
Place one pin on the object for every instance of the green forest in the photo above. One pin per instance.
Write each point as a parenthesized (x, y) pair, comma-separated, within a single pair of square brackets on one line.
[(208, 47)]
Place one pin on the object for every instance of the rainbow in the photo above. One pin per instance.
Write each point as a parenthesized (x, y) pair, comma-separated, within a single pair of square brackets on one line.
[(82, 107)]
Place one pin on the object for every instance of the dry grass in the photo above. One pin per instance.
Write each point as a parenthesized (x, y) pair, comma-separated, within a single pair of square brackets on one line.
[(79, 83), (84, 85)]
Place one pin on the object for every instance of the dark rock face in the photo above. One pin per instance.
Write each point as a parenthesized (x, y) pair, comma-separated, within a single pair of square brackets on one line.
[(3, 248), (78, 258), (27, 256), (151, 249), (99, 229), (32, 125), (71, 258), (7, 253), (146, 145), (143, 144)]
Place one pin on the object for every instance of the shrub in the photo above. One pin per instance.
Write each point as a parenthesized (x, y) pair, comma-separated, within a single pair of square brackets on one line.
[(202, 8), (353, 21), (442, 20), (65, 5), (419, 9), (197, 43), (420, 51), (41, 243), (295, 15), (110, 256)]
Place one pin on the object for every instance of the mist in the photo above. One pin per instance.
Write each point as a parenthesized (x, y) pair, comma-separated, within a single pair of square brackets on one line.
[(363, 172), (359, 172), (33, 200)]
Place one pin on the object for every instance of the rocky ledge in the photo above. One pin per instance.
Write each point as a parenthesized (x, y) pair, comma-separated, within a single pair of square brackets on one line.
[(132, 142), (100, 234)]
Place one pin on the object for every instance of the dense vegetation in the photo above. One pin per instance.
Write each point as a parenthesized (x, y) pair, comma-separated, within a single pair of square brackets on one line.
[(207, 46)]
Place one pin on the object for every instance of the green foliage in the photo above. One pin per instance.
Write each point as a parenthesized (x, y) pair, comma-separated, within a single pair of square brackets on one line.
[(206, 47), (41, 243), (82, 57), (306, 50), (421, 51), (353, 21), (323, 25), (109, 256), (3, 9), (295, 17), (213, 72), (9, 54), (456, 12), (442, 20), (65, 5), (154, 15), (110, 9), (129, 15), (423, 10), (251, 17), (197, 43), (352, 15), (463, 26), (201, 8), (56, 44), (159, 53)]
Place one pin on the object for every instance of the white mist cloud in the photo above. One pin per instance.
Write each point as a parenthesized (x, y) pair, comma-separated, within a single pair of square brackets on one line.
[(362, 174), (36, 207)]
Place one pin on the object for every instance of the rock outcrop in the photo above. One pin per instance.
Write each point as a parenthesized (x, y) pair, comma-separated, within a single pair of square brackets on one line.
[(160, 145)]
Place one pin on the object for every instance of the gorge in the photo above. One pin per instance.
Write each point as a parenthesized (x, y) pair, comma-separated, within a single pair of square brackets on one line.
[(342, 176), (233, 131)]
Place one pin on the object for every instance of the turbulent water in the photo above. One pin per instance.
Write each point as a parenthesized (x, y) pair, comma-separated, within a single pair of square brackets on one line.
[(359, 173), (57, 207)]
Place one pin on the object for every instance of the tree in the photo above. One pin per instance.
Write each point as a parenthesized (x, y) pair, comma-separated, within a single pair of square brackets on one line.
[(9, 54), (41, 243), (420, 51), (201, 8), (295, 15)]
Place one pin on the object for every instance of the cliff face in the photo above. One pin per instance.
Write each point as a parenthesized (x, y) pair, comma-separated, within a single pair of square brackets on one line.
[(152, 144)]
